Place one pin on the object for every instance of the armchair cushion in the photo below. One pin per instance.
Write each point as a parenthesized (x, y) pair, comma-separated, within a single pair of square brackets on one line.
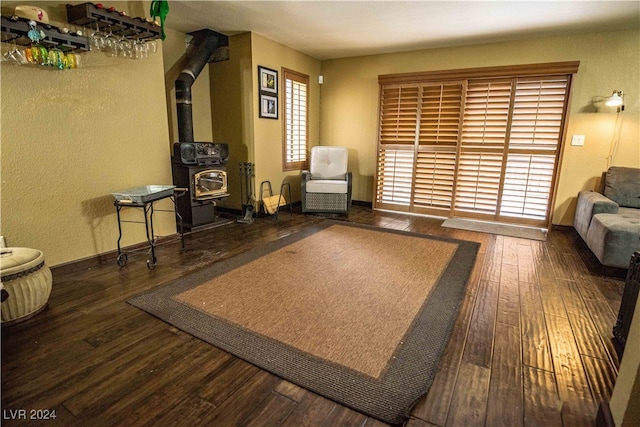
[(328, 162), (327, 186)]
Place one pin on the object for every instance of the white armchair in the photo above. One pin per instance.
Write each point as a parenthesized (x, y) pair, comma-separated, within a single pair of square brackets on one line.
[(326, 186)]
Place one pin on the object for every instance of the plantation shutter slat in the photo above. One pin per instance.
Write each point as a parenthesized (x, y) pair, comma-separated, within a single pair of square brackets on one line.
[(484, 147)]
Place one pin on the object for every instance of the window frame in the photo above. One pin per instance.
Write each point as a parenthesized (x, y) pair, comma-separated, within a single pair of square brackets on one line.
[(387, 145), (287, 145)]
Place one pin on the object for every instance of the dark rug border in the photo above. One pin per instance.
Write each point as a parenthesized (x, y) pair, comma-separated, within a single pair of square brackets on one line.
[(390, 398)]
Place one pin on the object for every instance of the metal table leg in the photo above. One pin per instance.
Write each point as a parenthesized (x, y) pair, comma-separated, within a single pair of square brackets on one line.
[(122, 257), (148, 222)]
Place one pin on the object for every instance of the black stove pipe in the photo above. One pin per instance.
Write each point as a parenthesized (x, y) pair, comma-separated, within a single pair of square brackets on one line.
[(199, 53)]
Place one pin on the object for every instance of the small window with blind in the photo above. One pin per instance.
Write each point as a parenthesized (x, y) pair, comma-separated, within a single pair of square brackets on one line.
[(480, 143), (296, 104)]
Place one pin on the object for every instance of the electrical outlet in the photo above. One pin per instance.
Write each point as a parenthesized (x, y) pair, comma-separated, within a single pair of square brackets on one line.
[(577, 140)]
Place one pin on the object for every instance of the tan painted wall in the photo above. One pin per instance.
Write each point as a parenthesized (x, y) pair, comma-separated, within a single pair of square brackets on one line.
[(71, 138), (235, 107), (608, 61), (232, 109), (268, 133)]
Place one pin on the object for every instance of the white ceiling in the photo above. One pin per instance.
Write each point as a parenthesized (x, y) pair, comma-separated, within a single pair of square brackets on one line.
[(338, 29)]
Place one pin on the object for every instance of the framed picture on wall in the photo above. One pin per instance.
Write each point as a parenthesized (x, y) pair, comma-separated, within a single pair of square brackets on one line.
[(268, 106), (268, 79)]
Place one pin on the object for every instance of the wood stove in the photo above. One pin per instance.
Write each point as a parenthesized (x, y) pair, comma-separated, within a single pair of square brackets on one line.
[(198, 167), (204, 177)]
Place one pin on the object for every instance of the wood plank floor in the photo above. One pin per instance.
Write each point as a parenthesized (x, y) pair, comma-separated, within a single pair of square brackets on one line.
[(531, 345)]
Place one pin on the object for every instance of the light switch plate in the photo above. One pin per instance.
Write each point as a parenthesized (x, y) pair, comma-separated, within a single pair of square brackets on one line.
[(577, 140)]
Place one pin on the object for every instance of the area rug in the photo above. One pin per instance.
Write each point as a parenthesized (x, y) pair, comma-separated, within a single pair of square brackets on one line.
[(523, 232), (358, 314)]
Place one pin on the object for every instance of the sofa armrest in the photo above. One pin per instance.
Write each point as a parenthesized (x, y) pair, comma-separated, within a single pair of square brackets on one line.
[(599, 202), (589, 204)]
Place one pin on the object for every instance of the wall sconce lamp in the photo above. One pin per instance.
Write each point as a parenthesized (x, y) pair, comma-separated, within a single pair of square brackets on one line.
[(616, 100)]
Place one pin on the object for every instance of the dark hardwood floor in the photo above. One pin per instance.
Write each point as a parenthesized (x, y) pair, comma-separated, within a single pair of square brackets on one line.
[(532, 344)]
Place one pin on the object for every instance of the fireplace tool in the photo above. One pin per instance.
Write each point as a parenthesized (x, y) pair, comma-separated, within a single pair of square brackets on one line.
[(246, 190)]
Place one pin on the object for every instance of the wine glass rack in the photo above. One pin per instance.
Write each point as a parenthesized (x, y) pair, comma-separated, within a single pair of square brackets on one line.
[(91, 16), (14, 30)]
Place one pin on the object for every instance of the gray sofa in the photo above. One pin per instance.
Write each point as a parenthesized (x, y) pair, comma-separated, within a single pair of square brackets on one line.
[(609, 222)]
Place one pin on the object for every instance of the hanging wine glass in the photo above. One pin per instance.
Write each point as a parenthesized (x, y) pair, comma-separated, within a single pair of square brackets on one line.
[(126, 48), (97, 39), (16, 55), (141, 49), (112, 44), (152, 46), (57, 58)]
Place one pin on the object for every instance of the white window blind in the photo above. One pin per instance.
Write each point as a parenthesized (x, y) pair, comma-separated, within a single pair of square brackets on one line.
[(295, 123), (476, 147)]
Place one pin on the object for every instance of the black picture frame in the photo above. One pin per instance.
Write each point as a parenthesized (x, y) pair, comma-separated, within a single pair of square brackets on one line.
[(268, 106), (268, 80)]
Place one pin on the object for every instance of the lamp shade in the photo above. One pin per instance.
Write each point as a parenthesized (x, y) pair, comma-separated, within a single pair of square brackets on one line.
[(615, 100)]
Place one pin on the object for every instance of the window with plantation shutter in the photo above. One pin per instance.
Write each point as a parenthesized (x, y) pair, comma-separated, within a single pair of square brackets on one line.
[(295, 123), (480, 143), (419, 129), (438, 136), (398, 120), (534, 143), (484, 131)]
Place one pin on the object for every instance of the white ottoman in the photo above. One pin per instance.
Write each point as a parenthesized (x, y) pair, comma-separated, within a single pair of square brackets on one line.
[(27, 280)]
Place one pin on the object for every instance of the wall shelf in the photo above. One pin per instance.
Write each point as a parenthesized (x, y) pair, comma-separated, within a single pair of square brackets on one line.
[(87, 14), (15, 29)]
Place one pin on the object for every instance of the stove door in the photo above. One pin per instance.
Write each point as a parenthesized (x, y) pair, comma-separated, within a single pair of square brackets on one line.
[(209, 183)]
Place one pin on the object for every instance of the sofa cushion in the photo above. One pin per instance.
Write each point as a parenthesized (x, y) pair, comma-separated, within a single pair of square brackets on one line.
[(614, 237), (589, 204), (622, 185)]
